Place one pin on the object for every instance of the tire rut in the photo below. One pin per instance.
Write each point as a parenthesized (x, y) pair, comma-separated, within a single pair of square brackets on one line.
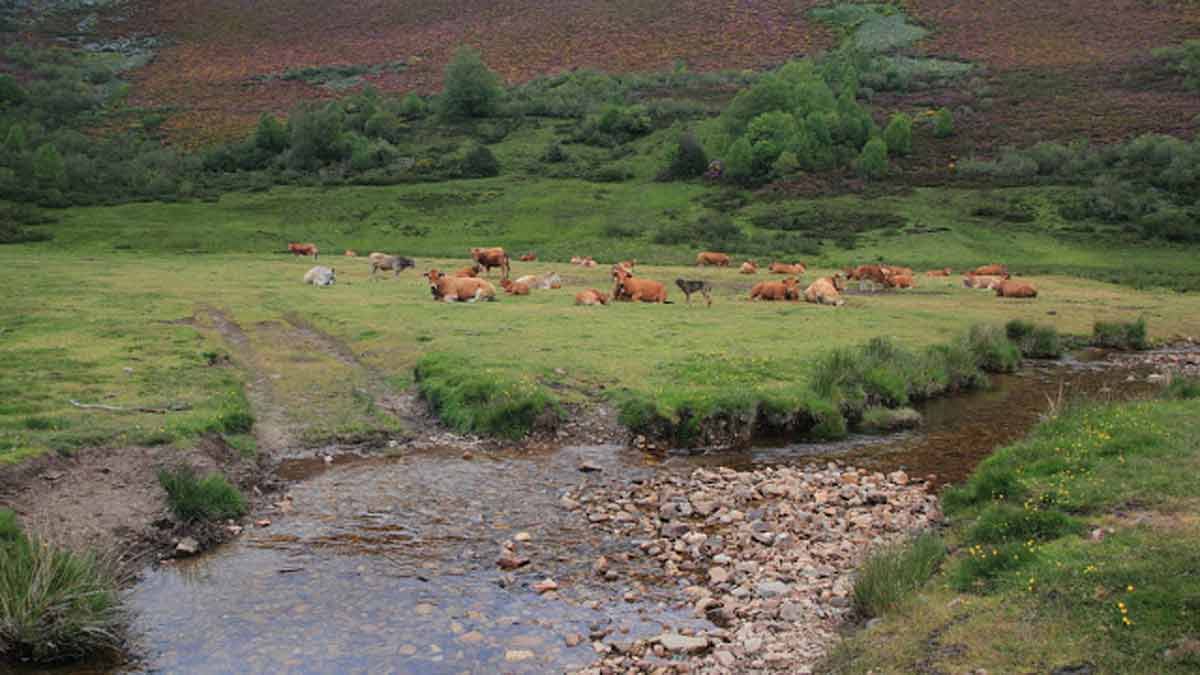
[(270, 425)]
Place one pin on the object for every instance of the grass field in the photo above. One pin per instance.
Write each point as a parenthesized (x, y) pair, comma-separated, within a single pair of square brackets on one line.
[(149, 304), (1031, 586)]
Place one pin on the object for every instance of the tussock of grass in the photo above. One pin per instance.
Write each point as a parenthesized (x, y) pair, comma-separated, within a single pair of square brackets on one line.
[(201, 499), (992, 348), (475, 399), (1129, 335), (1001, 523), (1183, 388), (57, 605), (10, 529), (891, 574), (1037, 342)]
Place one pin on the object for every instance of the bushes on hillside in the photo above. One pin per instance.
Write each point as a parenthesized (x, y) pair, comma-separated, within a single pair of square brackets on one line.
[(898, 134), (689, 160), (471, 88)]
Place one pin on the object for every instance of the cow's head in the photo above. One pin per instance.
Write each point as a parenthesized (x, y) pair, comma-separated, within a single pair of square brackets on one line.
[(838, 282), (619, 273)]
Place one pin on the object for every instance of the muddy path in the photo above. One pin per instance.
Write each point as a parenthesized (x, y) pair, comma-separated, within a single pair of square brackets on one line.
[(436, 559)]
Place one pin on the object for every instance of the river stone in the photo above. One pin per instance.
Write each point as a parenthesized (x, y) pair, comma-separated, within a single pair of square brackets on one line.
[(187, 546), (674, 642), (718, 575), (518, 655), (770, 589)]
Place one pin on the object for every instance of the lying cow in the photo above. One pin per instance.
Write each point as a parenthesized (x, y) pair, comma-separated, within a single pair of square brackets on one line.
[(591, 296), (472, 271), (712, 258), (826, 291), (749, 267), (994, 269), (487, 258), (351, 253), (384, 262), (529, 257), (788, 289), (514, 287), (458, 289), (320, 276), (944, 272), (794, 269), (544, 281), (304, 249), (631, 289), (899, 281), (893, 270), (1013, 289)]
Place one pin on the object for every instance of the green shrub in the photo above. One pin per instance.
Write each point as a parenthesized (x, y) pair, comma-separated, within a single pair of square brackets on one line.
[(413, 106), (1018, 329), (1182, 59), (555, 153), (200, 499), (1044, 343), (1001, 523), (943, 123), (991, 481), (992, 349), (891, 574), (898, 134), (872, 161), (1120, 334), (472, 399), (57, 605), (479, 162), (471, 89), (689, 159), (1180, 388), (10, 529)]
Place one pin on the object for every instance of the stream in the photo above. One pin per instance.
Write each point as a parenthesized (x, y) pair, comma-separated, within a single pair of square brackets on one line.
[(388, 564)]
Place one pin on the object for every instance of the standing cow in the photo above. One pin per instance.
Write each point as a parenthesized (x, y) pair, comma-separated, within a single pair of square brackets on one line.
[(487, 258)]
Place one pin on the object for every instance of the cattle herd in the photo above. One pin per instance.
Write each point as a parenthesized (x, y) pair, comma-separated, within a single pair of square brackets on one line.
[(464, 285)]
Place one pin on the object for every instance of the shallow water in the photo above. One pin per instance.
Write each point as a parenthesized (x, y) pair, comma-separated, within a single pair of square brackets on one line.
[(388, 564)]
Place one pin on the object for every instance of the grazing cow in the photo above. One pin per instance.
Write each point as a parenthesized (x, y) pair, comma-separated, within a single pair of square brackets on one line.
[(900, 281), (944, 272), (629, 288), (320, 276), (487, 258), (472, 271), (351, 253), (456, 289), (994, 269), (712, 258), (383, 261), (1013, 289), (514, 287), (825, 291), (529, 257), (795, 269), (591, 296), (980, 280), (749, 267), (788, 289), (702, 287), (304, 249)]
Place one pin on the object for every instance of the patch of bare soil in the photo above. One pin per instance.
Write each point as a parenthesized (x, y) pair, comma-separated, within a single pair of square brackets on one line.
[(107, 498)]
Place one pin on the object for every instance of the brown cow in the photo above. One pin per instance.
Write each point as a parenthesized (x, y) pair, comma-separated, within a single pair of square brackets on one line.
[(788, 289), (628, 264), (514, 287), (487, 258), (629, 288), (944, 272), (825, 291), (994, 269), (456, 289), (1013, 289), (351, 253), (786, 268), (588, 262), (749, 267), (889, 270), (591, 296), (472, 271), (712, 258), (868, 273), (980, 280), (304, 249), (529, 257), (900, 281)]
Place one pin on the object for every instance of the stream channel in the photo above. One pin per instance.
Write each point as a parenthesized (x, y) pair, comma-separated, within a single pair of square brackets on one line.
[(388, 564)]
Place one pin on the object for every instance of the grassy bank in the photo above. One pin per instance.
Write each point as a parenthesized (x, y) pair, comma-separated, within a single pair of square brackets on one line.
[(322, 358), (1075, 546)]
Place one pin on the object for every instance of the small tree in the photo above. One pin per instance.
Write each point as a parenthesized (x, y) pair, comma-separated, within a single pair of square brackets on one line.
[(787, 164), (471, 89), (49, 167), (413, 106), (898, 134), (383, 124), (15, 142), (739, 162), (271, 135), (479, 162), (872, 161), (689, 160), (943, 123)]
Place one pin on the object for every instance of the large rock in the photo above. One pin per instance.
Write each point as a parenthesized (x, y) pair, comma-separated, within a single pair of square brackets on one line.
[(682, 644)]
